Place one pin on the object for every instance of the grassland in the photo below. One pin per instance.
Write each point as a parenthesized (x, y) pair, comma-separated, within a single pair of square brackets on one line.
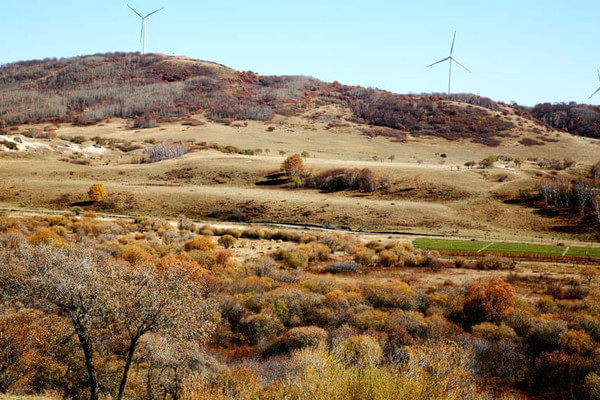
[(472, 246)]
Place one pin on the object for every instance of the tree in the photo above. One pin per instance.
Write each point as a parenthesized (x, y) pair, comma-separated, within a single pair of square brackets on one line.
[(101, 297), (596, 202), (583, 189), (171, 299), (519, 161), (97, 192), (293, 166)]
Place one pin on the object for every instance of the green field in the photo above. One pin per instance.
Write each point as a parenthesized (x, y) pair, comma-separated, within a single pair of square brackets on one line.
[(584, 252), (525, 248), (504, 247), (449, 245)]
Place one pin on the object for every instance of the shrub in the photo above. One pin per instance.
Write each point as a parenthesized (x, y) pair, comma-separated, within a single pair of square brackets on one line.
[(372, 319), (135, 254), (164, 151), (295, 258), (203, 243), (489, 301), (263, 266), (96, 192), (46, 236), (494, 333), (364, 257), (492, 262), (303, 336), (578, 342), (341, 267), (387, 258), (226, 241), (315, 251), (258, 326), (396, 294), (362, 351)]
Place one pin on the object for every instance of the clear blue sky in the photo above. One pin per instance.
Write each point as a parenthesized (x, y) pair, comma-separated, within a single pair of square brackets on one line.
[(528, 51)]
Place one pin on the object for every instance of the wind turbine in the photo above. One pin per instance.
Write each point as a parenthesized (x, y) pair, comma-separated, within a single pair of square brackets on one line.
[(597, 90), (143, 32), (450, 59)]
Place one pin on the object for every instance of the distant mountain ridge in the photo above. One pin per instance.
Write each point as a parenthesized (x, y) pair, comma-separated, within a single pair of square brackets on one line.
[(85, 90)]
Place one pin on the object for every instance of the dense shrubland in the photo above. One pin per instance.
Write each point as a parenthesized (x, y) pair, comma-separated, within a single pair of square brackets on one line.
[(278, 324), (580, 119)]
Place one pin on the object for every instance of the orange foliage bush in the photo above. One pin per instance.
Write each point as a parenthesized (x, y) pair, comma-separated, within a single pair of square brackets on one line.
[(293, 166), (489, 301)]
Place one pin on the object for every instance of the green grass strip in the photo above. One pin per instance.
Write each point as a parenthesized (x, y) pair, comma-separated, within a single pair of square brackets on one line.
[(449, 245)]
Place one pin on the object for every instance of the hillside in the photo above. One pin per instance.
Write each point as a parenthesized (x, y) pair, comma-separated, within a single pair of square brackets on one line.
[(464, 166), (152, 88)]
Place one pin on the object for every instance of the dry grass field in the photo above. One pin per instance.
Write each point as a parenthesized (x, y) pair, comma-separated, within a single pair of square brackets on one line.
[(432, 191)]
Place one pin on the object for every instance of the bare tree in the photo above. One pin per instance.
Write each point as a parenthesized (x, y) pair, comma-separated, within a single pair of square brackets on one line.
[(583, 189)]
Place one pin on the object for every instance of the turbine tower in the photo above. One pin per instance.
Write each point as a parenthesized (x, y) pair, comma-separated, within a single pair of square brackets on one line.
[(450, 59), (143, 32), (597, 90)]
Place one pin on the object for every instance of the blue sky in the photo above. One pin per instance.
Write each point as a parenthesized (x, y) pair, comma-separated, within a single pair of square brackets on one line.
[(527, 51)]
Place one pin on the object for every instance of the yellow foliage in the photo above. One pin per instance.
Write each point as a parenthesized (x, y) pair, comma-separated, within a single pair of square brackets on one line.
[(97, 192)]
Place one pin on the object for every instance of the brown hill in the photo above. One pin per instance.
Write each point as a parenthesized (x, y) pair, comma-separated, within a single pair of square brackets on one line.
[(85, 90)]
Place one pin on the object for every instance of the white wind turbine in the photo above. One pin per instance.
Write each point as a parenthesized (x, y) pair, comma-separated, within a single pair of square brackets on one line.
[(597, 90), (143, 32), (450, 59)]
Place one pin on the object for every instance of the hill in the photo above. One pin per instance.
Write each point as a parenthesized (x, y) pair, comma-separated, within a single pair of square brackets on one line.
[(152, 88)]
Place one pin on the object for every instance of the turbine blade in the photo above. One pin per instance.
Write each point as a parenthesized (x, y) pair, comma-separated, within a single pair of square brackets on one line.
[(597, 90), (452, 47), (140, 15), (142, 32), (442, 60), (153, 12), (456, 61), (598, 74)]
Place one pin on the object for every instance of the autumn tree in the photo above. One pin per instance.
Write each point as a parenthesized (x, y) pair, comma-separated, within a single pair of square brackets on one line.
[(293, 166), (101, 297), (97, 192), (171, 299)]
